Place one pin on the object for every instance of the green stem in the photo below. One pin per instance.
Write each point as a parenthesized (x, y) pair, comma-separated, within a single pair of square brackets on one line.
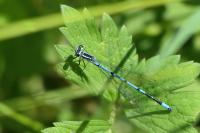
[(51, 97), (113, 114), (33, 25), (24, 120)]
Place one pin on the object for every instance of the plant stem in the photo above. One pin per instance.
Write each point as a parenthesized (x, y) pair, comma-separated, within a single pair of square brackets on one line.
[(33, 25), (24, 120)]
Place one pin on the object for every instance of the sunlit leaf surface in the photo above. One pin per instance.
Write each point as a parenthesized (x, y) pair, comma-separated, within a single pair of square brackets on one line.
[(165, 78)]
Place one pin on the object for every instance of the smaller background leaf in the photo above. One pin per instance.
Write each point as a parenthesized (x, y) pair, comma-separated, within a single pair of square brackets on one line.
[(177, 40)]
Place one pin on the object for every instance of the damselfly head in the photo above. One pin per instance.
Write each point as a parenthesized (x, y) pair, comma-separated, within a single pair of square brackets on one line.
[(79, 50)]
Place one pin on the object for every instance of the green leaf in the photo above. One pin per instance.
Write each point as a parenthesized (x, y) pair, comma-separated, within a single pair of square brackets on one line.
[(174, 42), (85, 31), (56, 130), (185, 103), (161, 77), (91, 126), (165, 78)]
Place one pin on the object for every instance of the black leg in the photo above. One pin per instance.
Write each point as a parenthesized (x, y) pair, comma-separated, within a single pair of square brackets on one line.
[(79, 60), (84, 65)]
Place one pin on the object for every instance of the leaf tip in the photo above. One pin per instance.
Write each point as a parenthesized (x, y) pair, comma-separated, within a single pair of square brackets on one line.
[(65, 7), (62, 29), (85, 10), (106, 16)]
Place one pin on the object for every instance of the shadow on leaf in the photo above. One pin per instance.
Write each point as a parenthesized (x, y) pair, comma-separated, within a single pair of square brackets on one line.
[(75, 67), (159, 112), (119, 66), (82, 127), (180, 128)]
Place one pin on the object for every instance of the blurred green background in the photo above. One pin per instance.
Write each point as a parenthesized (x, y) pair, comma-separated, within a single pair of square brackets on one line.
[(33, 94)]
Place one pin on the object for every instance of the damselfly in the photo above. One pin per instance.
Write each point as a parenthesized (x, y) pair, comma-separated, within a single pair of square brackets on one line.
[(80, 52)]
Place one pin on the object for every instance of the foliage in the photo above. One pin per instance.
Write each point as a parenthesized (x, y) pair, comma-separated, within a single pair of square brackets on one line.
[(92, 126), (34, 94), (188, 28), (165, 78), (54, 20)]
